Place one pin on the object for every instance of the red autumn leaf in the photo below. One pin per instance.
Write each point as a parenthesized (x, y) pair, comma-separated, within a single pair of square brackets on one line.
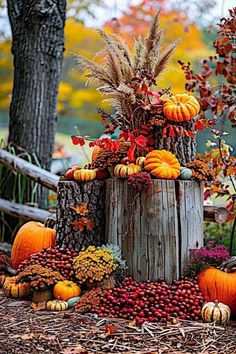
[(199, 125), (81, 209), (164, 133), (76, 140), (123, 136), (114, 146), (91, 144), (130, 153), (131, 137), (141, 141)]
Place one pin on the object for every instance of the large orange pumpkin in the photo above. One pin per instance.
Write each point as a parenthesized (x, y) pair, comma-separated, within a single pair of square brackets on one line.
[(162, 164), (216, 284), (31, 238), (181, 107), (65, 290)]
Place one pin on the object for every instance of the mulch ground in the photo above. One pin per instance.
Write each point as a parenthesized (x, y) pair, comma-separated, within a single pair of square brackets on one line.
[(24, 330)]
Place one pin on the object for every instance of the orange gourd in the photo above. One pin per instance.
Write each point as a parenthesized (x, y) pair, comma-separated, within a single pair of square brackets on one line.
[(15, 290), (181, 107), (31, 238), (84, 175), (216, 284), (65, 290), (124, 171), (162, 164)]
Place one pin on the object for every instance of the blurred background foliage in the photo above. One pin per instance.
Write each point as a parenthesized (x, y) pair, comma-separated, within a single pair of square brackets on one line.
[(77, 104)]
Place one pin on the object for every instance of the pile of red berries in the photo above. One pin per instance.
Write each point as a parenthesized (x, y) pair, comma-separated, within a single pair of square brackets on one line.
[(152, 301), (55, 259)]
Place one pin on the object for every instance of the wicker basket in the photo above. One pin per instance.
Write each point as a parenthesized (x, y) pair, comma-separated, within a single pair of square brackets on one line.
[(41, 296)]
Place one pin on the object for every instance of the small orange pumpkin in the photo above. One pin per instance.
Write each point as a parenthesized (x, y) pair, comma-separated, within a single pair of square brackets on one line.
[(181, 107), (15, 290), (65, 290), (215, 312), (162, 164), (31, 238), (84, 175), (124, 171)]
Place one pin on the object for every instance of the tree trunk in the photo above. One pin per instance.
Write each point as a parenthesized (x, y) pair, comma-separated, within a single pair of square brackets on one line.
[(183, 147), (71, 194), (38, 44)]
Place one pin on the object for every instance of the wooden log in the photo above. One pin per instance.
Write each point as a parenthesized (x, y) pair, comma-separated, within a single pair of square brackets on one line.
[(156, 228), (71, 194), (39, 175), (24, 211), (215, 214)]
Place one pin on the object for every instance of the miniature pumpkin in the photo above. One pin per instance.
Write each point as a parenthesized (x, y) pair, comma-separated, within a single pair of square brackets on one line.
[(57, 305), (84, 175), (123, 171), (15, 290), (71, 302), (181, 107), (216, 312), (64, 290), (218, 284), (31, 238), (140, 161), (162, 164), (185, 173)]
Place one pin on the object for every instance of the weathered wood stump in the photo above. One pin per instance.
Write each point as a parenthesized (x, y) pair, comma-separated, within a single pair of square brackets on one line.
[(71, 194), (156, 228)]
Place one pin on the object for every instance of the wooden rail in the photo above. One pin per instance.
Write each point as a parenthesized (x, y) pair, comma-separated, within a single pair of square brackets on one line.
[(39, 175), (24, 211)]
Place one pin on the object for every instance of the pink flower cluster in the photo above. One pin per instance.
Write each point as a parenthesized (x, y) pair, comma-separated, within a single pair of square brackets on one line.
[(201, 258)]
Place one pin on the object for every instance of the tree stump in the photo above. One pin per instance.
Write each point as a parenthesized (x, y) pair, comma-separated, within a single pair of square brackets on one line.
[(71, 194), (156, 228)]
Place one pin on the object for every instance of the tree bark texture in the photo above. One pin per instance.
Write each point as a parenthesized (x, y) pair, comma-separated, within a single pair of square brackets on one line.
[(72, 194), (183, 147), (155, 229), (38, 45)]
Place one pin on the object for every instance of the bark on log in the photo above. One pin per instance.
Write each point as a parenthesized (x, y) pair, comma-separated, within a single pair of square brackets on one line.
[(24, 211), (156, 228), (215, 214), (37, 46), (27, 169), (183, 147), (69, 195)]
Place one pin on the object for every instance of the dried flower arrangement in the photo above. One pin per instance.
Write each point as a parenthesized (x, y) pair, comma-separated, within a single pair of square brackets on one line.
[(149, 118), (89, 301), (140, 181), (39, 277)]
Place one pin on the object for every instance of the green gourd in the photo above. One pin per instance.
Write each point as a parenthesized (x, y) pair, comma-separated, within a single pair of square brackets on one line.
[(72, 301), (185, 173)]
